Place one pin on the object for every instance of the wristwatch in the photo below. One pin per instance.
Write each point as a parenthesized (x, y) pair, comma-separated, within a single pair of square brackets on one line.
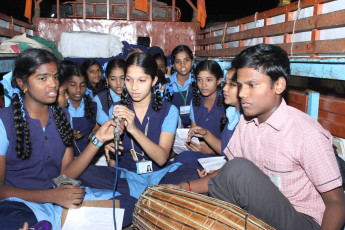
[(95, 141)]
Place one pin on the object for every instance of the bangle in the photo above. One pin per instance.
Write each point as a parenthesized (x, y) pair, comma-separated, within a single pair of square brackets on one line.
[(189, 187)]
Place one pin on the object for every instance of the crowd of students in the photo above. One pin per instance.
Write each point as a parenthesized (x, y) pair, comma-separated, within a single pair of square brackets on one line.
[(281, 166)]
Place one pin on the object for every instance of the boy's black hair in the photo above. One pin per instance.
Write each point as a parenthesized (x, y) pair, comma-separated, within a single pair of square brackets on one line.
[(26, 64), (268, 59), (70, 69)]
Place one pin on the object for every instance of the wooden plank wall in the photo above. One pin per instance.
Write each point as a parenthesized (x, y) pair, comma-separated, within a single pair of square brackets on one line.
[(206, 39)]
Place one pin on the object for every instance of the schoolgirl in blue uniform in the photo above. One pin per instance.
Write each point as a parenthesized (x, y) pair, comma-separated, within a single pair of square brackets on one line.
[(114, 75), (81, 111), (233, 112), (181, 81), (207, 109), (36, 145), (150, 123), (228, 122), (92, 71)]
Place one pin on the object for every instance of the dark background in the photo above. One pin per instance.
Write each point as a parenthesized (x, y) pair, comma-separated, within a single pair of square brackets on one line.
[(217, 10)]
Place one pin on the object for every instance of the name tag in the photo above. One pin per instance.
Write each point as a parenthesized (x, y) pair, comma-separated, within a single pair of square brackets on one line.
[(185, 109), (144, 167)]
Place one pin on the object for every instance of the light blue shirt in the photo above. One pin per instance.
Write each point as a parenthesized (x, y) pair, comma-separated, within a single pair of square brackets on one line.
[(102, 117), (233, 116), (76, 113), (171, 120), (191, 114), (4, 140), (173, 81)]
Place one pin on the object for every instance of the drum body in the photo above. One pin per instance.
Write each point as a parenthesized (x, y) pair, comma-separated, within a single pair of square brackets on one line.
[(161, 207)]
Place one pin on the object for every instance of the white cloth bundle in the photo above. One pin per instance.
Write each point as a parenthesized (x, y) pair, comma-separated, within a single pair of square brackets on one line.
[(86, 44)]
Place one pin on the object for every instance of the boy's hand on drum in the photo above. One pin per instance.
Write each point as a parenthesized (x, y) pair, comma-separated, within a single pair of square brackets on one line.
[(178, 186), (68, 196), (182, 185)]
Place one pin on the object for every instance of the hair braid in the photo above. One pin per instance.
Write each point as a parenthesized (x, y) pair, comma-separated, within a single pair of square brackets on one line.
[(196, 94), (109, 98), (89, 109), (23, 142), (125, 98), (157, 98), (220, 100), (223, 121), (63, 125)]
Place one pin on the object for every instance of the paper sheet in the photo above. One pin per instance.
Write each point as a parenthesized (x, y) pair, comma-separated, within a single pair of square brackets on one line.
[(180, 139), (212, 163), (93, 218)]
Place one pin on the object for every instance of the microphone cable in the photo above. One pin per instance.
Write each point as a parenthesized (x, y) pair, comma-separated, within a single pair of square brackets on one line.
[(116, 144)]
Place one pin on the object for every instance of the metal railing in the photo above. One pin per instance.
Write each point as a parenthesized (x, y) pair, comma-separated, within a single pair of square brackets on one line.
[(126, 10), (11, 27), (230, 38)]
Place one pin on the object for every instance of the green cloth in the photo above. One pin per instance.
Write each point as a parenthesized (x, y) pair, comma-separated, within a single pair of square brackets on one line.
[(50, 44)]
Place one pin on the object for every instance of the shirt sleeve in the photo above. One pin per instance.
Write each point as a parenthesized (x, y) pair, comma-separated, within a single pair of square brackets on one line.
[(233, 148), (191, 115), (171, 120), (318, 160), (101, 117), (4, 143)]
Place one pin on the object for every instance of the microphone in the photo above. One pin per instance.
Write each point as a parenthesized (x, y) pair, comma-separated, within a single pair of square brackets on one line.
[(117, 132)]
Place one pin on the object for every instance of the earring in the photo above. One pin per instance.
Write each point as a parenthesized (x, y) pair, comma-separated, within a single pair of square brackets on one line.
[(25, 90), (153, 84)]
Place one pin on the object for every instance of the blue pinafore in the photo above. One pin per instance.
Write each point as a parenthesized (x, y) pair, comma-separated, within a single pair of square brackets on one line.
[(182, 96), (81, 124), (38, 172), (209, 120)]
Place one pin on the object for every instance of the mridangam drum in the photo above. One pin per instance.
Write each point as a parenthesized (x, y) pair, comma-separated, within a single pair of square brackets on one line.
[(161, 207)]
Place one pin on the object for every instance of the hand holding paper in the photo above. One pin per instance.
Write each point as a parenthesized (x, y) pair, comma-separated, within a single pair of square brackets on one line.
[(180, 139)]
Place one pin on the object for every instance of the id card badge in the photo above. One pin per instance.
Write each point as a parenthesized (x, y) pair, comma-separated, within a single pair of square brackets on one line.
[(134, 155), (185, 109), (144, 167)]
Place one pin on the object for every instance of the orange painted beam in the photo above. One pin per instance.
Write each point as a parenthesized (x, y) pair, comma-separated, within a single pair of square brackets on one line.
[(335, 46)]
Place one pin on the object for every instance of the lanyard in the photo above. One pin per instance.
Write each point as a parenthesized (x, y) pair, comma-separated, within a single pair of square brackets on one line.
[(146, 129), (183, 97)]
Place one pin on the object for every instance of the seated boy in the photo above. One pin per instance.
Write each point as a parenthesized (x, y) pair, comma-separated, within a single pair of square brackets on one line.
[(282, 168)]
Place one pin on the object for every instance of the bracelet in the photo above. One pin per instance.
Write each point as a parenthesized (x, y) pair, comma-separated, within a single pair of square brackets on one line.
[(189, 187)]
